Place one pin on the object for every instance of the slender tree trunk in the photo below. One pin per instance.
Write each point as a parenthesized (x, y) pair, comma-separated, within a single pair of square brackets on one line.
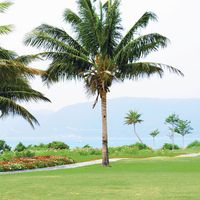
[(172, 141), (183, 140), (154, 142), (137, 134), (105, 158)]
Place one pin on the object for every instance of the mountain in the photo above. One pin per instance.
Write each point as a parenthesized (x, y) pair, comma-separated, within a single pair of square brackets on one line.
[(79, 124)]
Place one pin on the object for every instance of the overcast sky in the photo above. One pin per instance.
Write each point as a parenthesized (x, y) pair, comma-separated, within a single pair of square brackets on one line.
[(178, 20)]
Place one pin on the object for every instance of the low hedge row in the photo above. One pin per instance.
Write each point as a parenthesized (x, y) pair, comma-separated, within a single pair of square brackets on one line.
[(34, 162)]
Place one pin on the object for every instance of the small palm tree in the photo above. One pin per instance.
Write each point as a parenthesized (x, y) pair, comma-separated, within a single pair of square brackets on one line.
[(14, 85), (98, 53), (133, 118), (153, 134)]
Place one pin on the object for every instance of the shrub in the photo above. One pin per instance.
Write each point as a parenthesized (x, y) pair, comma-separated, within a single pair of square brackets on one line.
[(26, 153), (20, 147), (140, 146), (168, 146), (4, 147), (87, 146), (57, 145), (194, 144), (87, 151)]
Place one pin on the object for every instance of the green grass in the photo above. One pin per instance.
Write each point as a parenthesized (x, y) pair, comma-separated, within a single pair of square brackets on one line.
[(134, 179)]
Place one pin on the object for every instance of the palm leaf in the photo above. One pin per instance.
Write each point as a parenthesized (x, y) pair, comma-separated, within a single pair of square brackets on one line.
[(141, 47), (141, 23), (7, 106), (144, 69), (5, 29), (5, 5)]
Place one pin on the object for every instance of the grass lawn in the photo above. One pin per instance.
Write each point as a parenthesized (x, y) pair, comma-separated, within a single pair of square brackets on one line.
[(137, 179)]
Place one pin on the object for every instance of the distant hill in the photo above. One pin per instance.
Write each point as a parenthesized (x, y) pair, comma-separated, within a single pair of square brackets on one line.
[(79, 124)]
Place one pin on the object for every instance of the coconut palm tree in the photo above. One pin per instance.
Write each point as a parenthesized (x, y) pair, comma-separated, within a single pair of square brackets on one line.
[(14, 85), (133, 118), (98, 53), (153, 134)]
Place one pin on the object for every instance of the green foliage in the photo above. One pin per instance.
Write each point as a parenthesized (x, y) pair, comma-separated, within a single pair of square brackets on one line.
[(4, 147), (168, 146), (87, 146), (40, 146), (20, 147), (133, 117), (24, 153), (155, 133), (87, 151), (140, 146), (194, 144), (183, 127), (57, 145)]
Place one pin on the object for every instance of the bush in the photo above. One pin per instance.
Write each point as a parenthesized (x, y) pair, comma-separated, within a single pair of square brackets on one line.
[(87, 151), (20, 147), (26, 153), (168, 146), (4, 147), (87, 146), (7, 155), (57, 145), (140, 146), (40, 146), (194, 144)]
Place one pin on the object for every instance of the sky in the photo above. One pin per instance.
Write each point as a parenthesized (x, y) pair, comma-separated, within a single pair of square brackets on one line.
[(177, 19)]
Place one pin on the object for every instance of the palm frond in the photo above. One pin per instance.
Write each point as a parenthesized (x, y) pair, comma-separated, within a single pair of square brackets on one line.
[(7, 54), (87, 30), (70, 17), (60, 35), (141, 47), (7, 106), (144, 69), (5, 5), (141, 23), (112, 29), (27, 59), (65, 66), (5, 29), (49, 43)]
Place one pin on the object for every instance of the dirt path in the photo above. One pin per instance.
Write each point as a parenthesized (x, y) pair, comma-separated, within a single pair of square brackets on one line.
[(188, 155)]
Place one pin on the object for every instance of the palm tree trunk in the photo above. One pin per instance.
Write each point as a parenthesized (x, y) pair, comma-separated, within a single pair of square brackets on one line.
[(105, 158), (154, 142), (137, 134)]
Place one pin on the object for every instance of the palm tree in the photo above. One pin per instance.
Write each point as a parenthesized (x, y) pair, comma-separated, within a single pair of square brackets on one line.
[(14, 85), (153, 134), (98, 54), (133, 118)]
